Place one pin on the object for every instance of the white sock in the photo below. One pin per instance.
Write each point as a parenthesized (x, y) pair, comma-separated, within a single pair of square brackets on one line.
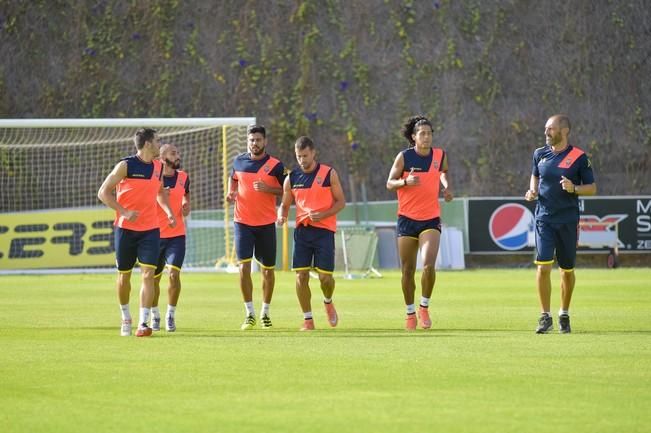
[(411, 309), (171, 309), (250, 311), (124, 309), (265, 309), (144, 315), (563, 312), (546, 313), (307, 315), (155, 312), (424, 302), (327, 300)]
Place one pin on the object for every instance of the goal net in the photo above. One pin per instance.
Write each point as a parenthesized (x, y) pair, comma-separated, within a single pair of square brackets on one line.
[(50, 171), (355, 249)]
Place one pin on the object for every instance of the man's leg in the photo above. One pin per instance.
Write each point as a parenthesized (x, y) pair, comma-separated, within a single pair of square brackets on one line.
[(305, 298), (429, 247), (408, 252)]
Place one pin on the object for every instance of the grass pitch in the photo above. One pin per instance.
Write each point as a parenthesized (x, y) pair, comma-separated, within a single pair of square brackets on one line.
[(481, 368)]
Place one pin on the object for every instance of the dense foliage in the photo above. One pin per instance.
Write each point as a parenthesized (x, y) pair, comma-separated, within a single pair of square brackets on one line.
[(348, 73)]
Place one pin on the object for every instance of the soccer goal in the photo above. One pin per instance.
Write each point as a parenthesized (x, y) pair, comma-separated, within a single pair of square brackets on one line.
[(50, 171), (355, 249)]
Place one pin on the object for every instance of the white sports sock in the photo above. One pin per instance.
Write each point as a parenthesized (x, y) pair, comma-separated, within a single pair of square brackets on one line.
[(171, 309), (265, 309), (411, 309), (307, 315), (546, 313), (155, 312), (424, 302), (144, 315), (562, 312), (124, 309), (327, 300), (250, 311)]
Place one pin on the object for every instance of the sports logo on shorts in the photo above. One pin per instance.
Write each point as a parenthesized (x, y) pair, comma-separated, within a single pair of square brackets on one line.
[(510, 225)]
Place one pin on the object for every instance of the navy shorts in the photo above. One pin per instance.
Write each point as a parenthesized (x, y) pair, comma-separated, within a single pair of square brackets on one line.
[(408, 227), (131, 245), (172, 253), (314, 243), (559, 237), (261, 239)]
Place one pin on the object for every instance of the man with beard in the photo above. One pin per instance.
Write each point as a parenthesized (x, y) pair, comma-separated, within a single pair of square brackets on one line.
[(316, 190), (255, 182), (172, 239), (560, 173)]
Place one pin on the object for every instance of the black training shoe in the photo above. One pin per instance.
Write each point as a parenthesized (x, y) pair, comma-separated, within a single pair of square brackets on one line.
[(564, 324), (545, 324)]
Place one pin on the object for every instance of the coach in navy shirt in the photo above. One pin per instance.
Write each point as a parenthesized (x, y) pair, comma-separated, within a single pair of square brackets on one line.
[(560, 173)]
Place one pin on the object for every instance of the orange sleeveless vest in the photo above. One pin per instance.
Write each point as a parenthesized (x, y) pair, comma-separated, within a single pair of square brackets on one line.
[(140, 194), (255, 208), (315, 198), (176, 195), (421, 202)]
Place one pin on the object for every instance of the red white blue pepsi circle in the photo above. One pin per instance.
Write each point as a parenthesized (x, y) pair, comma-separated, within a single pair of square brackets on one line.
[(509, 226)]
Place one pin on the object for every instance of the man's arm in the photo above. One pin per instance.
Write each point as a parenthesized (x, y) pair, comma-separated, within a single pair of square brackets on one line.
[(285, 203), (163, 199), (185, 205), (532, 192), (105, 193), (445, 180)]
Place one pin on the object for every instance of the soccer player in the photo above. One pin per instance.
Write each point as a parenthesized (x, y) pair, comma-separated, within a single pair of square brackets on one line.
[(256, 181), (560, 174), (136, 181), (172, 239), (416, 175), (316, 190)]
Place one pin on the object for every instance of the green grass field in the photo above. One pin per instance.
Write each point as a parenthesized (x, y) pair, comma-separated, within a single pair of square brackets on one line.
[(64, 367)]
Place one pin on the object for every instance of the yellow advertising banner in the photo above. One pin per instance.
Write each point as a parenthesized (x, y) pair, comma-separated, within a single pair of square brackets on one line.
[(69, 238)]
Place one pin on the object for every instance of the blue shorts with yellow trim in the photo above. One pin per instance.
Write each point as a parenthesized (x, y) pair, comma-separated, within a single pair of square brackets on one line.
[(258, 239), (131, 245), (314, 247), (172, 253), (412, 228), (556, 237)]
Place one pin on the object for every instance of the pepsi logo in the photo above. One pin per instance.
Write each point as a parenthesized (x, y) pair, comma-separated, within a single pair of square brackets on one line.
[(509, 226)]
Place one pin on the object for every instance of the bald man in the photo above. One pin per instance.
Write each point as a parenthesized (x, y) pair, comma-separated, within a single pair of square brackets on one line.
[(176, 184), (560, 174)]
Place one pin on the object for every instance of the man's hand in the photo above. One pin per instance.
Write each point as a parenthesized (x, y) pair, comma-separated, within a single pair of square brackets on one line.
[(567, 185), (231, 196), (447, 195), (530, 195), (130, 215)]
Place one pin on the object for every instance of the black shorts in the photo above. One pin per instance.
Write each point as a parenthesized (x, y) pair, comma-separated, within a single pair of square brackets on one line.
[(172, 253), (314, 247), (131, 245), (408, 227), (260, 240)]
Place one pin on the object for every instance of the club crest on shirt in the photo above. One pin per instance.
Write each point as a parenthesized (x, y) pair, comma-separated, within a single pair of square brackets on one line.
[(435, 164), (567, 162), (266, 169), (319, 179)]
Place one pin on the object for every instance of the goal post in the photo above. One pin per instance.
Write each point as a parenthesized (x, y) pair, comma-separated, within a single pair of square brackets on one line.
[(51, 169)]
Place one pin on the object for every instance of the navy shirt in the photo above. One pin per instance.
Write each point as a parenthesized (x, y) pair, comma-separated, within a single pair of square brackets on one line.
[(555, 204)]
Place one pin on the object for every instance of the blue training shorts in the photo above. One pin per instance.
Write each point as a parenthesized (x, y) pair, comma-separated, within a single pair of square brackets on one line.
[(258, 239), (314, 247), (408, 227), (559, 237), (131, 245), (172, 253)]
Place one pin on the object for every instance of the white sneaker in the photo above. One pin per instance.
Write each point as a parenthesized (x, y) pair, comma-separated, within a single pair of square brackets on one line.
[(155, 323), (125, 330), (170, 324)]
